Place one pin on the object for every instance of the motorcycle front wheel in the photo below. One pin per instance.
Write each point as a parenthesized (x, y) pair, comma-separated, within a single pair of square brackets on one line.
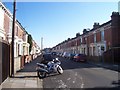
[(41, 74), (59, 70)]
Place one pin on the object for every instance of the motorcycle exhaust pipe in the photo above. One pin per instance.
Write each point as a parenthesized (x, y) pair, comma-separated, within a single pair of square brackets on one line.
[(42, 70)]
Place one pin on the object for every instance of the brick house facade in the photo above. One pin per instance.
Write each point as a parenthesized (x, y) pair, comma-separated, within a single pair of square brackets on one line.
[(97, 41)]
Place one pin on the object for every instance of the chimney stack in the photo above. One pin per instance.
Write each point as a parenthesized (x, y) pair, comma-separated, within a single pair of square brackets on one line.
[(85, 31), (96, 25), (115, 17)]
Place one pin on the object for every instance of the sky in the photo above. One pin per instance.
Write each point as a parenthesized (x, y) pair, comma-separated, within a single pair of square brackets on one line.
[(58, 21)]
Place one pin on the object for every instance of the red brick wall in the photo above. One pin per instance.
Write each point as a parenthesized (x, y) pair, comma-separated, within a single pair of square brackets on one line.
[(98, 36), (78, 41), (115, 29), (83, 40), (18, 31), (73, 43), (6, 23), (108, 37), (91, 38), (88, 40)]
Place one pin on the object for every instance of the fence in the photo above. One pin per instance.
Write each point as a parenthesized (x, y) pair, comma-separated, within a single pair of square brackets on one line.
[(22, 63), (95, 59), (4, 60), (112, 55), (19, 62)]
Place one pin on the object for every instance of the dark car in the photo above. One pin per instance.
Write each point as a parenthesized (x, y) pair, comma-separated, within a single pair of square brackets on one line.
[(71, 56), (80, 58), (54, 53), (46, 58)]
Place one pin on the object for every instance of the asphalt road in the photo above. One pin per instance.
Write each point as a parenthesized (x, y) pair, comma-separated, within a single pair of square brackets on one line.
[(82, 75)]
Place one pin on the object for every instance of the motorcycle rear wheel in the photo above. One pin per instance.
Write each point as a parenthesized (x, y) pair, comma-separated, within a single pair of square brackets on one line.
[(41, 74)]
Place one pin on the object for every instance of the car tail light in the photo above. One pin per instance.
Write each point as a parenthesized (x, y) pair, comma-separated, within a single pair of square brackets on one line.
[(78, 56)]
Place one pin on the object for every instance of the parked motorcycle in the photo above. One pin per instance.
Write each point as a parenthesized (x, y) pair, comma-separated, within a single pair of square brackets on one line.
[(51, 67)]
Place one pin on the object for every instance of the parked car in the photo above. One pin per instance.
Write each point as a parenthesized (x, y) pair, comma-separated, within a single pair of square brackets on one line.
[(58, 54), (71, 56), (46, 58), (54, 53), (61, 54), (80, 58), (65, 55)]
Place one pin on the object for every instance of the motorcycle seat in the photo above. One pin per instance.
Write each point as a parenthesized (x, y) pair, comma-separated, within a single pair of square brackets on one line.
[(42, 65)]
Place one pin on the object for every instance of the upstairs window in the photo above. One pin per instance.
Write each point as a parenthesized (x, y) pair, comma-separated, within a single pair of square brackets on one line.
[(102, 35), (95, 38), (17, 31), (85, 39), (81, 40), (10, 27)]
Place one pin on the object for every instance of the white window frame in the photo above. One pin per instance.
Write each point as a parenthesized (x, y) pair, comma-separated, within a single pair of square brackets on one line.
[(95, 38), (102, 35)]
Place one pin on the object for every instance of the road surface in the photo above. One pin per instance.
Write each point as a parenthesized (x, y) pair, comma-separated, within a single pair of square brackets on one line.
[(82, 75)]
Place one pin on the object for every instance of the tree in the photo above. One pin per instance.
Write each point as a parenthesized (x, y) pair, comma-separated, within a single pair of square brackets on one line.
[(30, 42)]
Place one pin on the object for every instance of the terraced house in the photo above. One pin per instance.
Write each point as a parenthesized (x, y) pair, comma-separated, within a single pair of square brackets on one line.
[(35, 49), (21, 45), (101, 41)]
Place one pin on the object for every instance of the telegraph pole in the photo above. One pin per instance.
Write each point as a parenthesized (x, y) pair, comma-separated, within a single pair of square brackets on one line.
[(12, 48)]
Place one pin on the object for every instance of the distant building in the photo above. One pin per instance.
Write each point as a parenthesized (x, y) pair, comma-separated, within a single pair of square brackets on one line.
[(47, 50), (35, 50)]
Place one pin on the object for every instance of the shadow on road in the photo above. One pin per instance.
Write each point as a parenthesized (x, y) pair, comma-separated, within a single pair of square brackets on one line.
[(70, 64), (25, 76), (30, 67), (52, 75), (29, 70)]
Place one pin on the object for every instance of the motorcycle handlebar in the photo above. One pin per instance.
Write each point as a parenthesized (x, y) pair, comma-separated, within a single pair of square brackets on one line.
[(56, 60)]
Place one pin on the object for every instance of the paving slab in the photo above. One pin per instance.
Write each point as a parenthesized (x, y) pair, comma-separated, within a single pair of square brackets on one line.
[(23, 80)]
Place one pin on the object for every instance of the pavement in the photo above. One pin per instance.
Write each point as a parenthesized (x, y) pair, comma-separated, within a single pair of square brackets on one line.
[(115, 67), (25, 78)]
